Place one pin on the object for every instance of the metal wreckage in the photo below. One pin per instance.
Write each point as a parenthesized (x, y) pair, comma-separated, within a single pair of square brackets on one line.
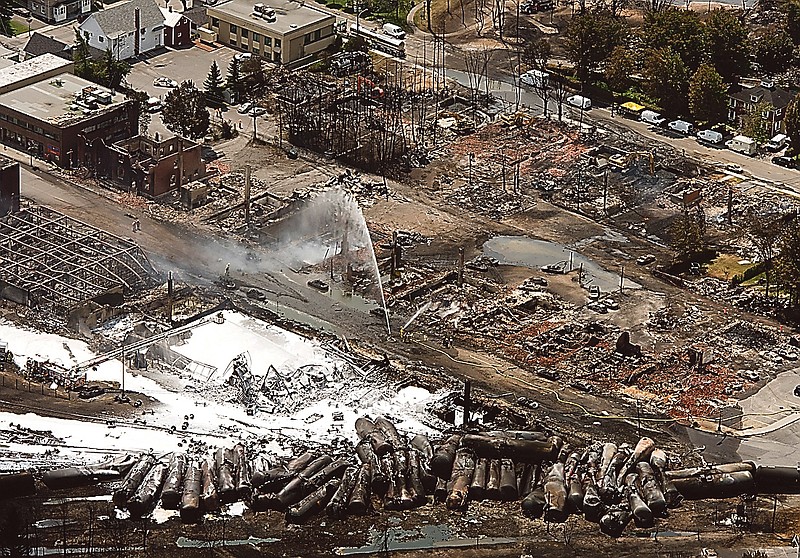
[(607, 483)]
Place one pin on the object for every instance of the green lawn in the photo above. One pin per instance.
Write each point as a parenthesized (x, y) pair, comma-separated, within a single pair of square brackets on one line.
[(726, 266), (18, 27)]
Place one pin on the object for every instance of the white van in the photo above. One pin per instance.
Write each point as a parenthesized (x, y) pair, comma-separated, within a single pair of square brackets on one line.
[(652, 117), (777, 143), (535, 78), (681, 126), (580, 102), (709, 136), (394, 31)]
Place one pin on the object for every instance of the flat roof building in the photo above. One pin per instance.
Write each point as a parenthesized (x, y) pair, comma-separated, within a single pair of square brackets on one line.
[(282, 31), (61, 118), (32, 70)]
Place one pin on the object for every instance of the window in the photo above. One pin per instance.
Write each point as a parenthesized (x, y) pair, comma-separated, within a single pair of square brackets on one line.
[(309, 37), (255, 48), (256, 37), (317, 34), (214, 22), (234, 28), (233, 41), (244, 33), (267, 41), (277, 43)]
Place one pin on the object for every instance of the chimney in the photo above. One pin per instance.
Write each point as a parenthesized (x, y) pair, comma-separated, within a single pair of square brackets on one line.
[(138, 33)]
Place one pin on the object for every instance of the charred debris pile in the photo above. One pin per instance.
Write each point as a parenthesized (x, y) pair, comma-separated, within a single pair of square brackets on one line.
[(609, 484)]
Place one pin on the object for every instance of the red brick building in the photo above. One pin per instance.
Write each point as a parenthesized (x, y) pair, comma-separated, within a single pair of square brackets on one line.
[(177, 29), (152, 166)]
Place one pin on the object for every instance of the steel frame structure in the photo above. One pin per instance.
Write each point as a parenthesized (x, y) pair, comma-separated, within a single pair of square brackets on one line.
[(61, 262)]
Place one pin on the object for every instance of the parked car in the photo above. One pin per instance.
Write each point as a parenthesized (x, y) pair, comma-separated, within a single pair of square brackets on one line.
[(535, 78), (784, 161), (594, 292), (652, 117), (610, 303), (242, 56), (257, 111), (797, 391), (153, 104), (163, 81), (292, 153), (646, 259), (681, 126), (394, 31), (579, 101), (244, 108)]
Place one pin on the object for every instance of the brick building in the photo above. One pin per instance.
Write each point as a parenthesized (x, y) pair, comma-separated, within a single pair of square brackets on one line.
[(61, 118), (152, 165)]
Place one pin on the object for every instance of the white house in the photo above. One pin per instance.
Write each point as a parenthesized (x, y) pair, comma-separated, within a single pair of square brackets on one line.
[(129, 28)]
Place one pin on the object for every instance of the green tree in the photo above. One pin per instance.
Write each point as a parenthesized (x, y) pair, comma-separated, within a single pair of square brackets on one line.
[(755, 124), (84, 65), (213, 84), (185, 111), (792, 122), (255, 80), (536, 54), (109, 71), (787, 263), (6, 12), (619, 68), (666, 79), (679, 30), (688, 232), (773, 51), (728, 44), (591, 38), (234, 82), (708, 95), (764, 229), (793, 20)]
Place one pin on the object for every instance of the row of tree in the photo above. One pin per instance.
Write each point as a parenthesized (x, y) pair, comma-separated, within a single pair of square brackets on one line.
[(685, 59)]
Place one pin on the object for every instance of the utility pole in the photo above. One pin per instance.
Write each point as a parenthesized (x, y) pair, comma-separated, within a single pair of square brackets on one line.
[(247, 194)]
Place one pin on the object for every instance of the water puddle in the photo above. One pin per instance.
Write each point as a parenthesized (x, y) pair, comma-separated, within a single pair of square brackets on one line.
[(528, 252), (183, 542), (425, 538)]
